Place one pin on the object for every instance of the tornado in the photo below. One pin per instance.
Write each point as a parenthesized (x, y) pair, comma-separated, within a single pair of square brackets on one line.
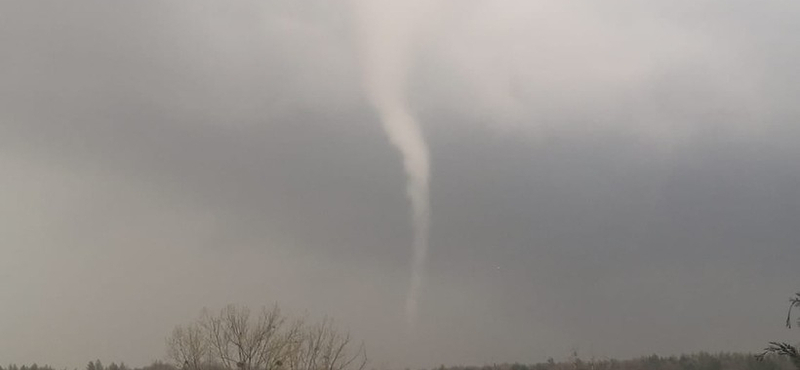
[(385, 35)]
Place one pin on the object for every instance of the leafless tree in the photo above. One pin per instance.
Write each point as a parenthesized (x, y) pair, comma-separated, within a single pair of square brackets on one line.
[(235, 339), (326, 348), (239, 341), (785, 349), (187, 347)]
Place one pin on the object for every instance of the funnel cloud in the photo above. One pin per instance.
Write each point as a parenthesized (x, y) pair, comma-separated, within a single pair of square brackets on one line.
[(386, 35)]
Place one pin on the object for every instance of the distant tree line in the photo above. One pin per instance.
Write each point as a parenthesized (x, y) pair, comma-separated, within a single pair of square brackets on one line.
[(93, 365), (27, 367), (97, 365), (697, 361)]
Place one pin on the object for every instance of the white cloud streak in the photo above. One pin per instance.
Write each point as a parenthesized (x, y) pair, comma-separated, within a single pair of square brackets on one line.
[(386, 33)]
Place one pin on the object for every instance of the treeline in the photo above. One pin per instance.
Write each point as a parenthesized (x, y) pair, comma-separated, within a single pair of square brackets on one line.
[(27, 367), (93, 365), (697, 361)]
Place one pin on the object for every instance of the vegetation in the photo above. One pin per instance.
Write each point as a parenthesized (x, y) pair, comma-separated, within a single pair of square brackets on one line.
[(697, 361), (27, 367), (235, 339), (785, 349), (93, 365)]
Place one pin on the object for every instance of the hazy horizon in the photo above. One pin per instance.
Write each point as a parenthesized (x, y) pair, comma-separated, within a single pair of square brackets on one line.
[(616, 178)]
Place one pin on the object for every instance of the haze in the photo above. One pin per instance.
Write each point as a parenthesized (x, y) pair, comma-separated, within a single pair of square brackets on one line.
[(613, 177)]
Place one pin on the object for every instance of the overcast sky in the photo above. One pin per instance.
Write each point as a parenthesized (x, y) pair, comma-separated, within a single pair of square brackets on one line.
[(613, 177)]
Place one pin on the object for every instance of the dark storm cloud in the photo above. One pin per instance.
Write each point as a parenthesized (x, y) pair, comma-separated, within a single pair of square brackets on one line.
[(228, 147)]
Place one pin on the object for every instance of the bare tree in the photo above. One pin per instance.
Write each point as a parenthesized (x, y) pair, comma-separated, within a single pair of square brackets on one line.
[(326, 348), (238, 341), (188, 347), (288, 349), (785, 349), (235, 339), (292, 353)]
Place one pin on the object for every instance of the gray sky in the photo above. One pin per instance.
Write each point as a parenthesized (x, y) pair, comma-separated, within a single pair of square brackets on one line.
[(615, 178)]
